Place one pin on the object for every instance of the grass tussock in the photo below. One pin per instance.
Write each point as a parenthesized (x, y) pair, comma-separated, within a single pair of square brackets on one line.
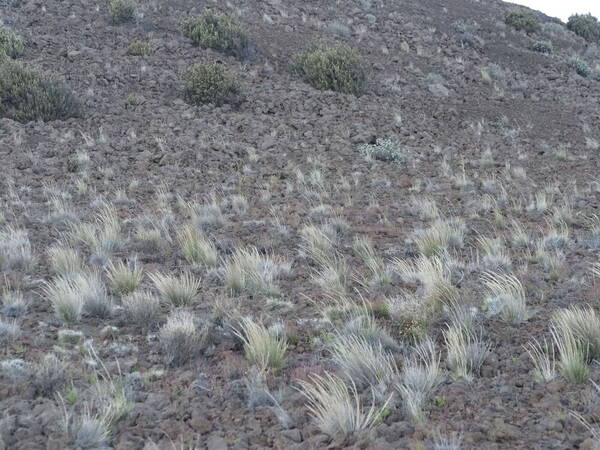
[(336, 408), (466, 351), (247, 270), (181, 338), (177, 291), (142, 308), (337, 68), (196, 248), (262, 347), (125, 277)]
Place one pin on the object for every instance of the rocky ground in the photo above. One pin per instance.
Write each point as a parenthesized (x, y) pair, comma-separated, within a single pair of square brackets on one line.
[(493, 132)]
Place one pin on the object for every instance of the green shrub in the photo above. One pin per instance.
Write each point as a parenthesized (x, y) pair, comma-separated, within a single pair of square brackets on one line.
[(217, 31), (10, 44), (384, 150), (542, 47), (586, 26), (338, 68), (212, 82), (121, 11), (27, 94), (139, 48), (581, 67), (521, 19)]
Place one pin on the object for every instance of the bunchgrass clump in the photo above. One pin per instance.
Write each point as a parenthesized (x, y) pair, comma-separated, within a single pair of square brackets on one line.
[(212, 82), (573, 354), (379, 275), (521, 19), (15, 248), (419, 378), (217, 31), (64, 261), (125, 277), (506, 297), (385, 150), (197, 249), (586, 26), (262, 347), (442, 235), (337, 408), (142, 308), (9, 331), (28, 94), (466, 351), (180, 338), (366, 363), (338, 68), (48, 375), (121, 11), (249, 270), (543, 358), (584, 325), (63, 293), (11, 44), (178, 291)]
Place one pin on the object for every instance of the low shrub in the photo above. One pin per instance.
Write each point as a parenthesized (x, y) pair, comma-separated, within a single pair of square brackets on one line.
[(542, 47), (121, 11), (384, 150), (212, 82), (27, 94), (139, 48), (581, 67), (10, 44), (586, 26), (521, 19), (217, 31), (339, 68)]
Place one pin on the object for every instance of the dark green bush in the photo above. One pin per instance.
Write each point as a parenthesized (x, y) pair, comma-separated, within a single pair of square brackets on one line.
[(121, 11), (338, 68), (586, 26), (581, 67), (542, 47), (27, 94), (10, 44), (212, 82), (521, 19), (139, 48), (217, 31)]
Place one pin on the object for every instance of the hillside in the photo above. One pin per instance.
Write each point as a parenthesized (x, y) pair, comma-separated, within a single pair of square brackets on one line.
[(186, 274)]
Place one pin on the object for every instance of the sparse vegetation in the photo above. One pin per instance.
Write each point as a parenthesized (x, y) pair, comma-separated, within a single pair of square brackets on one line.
[(217, 31), (212, 82), (338, 68)]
